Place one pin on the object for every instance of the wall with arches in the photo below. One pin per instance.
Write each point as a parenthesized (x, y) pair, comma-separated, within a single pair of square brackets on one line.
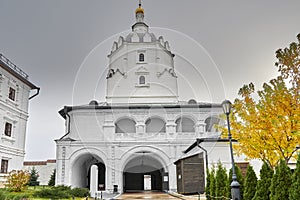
[(115, 136)]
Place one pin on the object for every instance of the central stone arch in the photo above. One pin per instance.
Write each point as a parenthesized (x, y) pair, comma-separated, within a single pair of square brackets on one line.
[(145, 168)]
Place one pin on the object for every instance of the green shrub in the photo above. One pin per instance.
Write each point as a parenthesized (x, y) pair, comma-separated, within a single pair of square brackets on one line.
[(52, 194), (34, 175), (212, 185), (14, 196), (281, 182), (263, 185), (250, 184), (2, 196), (51, 181), (207, 188), (221, 181), (59, 192), (295, 188), (80, 192)]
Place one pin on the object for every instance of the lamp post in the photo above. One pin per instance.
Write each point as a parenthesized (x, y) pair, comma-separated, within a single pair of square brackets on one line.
[(235, 186)]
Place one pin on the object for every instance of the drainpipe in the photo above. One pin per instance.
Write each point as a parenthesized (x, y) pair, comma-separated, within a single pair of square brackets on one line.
[(69, 120), (37, 93), (206, 156)]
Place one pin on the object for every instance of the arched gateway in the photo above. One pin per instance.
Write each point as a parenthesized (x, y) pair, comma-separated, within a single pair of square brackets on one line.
[(145, 168), (88, 169), (131, 141), (143, 172), (82, 171)]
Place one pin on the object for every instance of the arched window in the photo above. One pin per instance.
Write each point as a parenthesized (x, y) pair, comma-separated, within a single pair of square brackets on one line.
[(211, 123), (141, 57), (184, 124), (155, 125), (125, 126), (142, 80)]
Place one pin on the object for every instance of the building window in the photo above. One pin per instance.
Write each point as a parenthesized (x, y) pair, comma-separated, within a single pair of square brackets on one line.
[(212, 124), (184, 124), (142, 80), (4, 166), (125, 126), (12, 94), (141, 57), (8, 129), (155, 125)]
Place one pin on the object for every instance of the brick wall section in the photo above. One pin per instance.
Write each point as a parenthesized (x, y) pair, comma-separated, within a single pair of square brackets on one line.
[(44, 168)]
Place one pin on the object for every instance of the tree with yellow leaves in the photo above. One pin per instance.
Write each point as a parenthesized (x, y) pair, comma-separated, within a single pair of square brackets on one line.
[(267, 126), (17, 180)]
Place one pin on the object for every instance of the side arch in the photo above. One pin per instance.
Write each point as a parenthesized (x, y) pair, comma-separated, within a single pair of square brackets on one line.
[(81, 162)]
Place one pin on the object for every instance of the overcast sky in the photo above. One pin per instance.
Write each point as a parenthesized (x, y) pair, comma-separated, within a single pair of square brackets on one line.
[(54, 40)]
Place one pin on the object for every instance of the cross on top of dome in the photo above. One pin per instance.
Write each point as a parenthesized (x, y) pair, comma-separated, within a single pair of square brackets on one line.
[(139, 9), (139, 13)]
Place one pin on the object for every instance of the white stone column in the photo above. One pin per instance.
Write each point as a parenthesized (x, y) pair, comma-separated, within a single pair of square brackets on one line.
[(119, 178), (172, 178), (94, 180), (108, 177), (140, 128), (171, 129), (200, 128)]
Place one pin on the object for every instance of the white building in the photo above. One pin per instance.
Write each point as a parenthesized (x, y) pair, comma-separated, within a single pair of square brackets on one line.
[(15, 90), (133, 139)]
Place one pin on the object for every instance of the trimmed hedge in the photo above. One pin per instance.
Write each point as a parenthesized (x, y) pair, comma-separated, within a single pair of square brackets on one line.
[(61, 192), (80, 192), (13, 196), (2, 196)]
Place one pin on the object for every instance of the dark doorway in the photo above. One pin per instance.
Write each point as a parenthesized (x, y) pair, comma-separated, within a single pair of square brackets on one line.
[(135, 181), (144, 173), (101, 175)]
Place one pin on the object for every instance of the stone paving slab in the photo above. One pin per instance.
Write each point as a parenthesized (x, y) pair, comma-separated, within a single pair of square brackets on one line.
[(146, 195)]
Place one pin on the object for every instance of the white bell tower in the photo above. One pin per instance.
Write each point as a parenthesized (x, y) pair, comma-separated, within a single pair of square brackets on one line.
[(141, 68)]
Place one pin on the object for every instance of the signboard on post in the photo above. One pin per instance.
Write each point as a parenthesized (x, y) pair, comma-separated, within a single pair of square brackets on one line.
[(101, 187)]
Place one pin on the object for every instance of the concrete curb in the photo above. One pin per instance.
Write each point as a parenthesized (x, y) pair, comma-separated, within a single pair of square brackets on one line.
[(174, 194), (180, 196)]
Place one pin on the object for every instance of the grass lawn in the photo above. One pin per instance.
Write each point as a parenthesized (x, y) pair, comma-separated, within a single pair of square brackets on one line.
[(59, 199), (29, 192)]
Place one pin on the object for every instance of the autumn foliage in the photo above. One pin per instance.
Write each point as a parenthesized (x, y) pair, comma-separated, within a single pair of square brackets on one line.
[(17, 180), (267, 122)]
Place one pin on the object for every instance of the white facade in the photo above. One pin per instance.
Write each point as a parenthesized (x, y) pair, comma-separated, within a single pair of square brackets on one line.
[(14, 97), (142, 128)]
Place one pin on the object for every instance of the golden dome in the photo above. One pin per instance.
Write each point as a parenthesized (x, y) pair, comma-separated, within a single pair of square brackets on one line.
[(139, 10)]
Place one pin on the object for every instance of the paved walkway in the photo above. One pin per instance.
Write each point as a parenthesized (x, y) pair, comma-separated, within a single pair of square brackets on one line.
[(146, 195)]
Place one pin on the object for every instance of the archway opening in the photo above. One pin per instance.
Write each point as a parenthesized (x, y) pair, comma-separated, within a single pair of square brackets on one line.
[(155, 125), (125, 125), (81, 171), (212, 123), (184, 124), (144, 173)]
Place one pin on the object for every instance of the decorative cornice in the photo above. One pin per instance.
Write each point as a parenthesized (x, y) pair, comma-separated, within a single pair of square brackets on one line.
[(112, 72), (170, 70)]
